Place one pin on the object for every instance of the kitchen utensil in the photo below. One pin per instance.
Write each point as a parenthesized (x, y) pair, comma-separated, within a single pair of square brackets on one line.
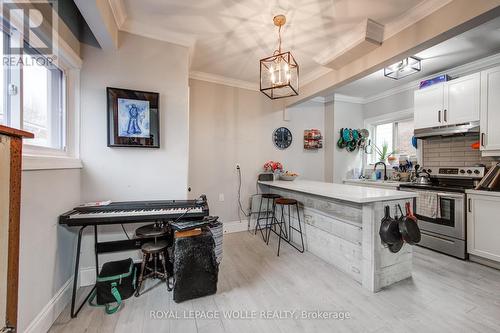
[(389, 229), (364, 133), (347, 135), (351, 146), (422, 177), (369, 148), (341, 143), (396, 247), (475, 145), (414, 142), (408, 227)]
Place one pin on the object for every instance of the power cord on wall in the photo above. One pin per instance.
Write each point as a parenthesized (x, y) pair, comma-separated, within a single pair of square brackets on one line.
[(238, 169)]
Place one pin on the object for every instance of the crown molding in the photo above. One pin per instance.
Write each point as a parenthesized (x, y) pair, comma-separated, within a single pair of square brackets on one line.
[(219, 79), (139, 28), (119, 12), (348, 99)]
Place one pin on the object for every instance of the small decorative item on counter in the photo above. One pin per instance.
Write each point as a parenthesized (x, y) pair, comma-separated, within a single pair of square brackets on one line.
[(288, 175), (313, 139), (272, 166)]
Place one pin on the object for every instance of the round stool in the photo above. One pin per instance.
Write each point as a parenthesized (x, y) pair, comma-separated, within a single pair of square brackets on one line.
[(153, 253), (287, 237), (268, 213)]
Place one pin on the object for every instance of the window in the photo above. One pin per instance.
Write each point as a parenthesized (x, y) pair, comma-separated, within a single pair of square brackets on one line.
[(396, 134), (32, 96)]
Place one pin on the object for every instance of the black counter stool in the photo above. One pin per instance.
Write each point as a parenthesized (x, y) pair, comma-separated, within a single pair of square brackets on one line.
[(153, 251), (285, 202), (268, 213)]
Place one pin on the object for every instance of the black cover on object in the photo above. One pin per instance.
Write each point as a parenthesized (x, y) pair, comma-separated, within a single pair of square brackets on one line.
[(195, 268)]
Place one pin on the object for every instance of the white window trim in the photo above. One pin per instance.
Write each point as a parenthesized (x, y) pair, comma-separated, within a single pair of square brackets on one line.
[(43, 158), (370, 123)]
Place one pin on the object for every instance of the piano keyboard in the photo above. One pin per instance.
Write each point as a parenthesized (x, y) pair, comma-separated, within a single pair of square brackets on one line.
[(141, 212), (136, 212)]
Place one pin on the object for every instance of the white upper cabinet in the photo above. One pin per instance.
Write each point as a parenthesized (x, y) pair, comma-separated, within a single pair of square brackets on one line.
[(429, 105), (463, 100), (449, 103), (490, 112)]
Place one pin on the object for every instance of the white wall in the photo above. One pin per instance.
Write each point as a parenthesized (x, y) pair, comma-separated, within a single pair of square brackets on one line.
[(46, 249), (390, 104), (231, 125), (133, 173), (348, 115)]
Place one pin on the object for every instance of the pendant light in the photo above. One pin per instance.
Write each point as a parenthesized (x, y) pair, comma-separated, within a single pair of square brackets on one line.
[(279, 73)]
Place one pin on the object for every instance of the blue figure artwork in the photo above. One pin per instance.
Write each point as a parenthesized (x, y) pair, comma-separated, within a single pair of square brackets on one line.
[(133, 118)]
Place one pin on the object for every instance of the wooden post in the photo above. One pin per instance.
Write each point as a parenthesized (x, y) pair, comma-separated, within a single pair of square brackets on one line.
[(14, 138)]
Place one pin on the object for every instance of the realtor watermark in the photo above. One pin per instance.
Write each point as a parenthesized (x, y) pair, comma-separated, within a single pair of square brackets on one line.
[(251, 314), (30, 32)]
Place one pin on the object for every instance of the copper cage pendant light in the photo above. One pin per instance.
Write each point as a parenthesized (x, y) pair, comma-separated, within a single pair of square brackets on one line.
[(279, 73)]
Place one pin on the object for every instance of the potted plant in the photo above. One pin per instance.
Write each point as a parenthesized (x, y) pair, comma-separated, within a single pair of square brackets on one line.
[(383, 153)]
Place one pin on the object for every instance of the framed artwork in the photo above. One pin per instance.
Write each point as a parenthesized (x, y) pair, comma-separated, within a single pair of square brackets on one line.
[(133, 118)]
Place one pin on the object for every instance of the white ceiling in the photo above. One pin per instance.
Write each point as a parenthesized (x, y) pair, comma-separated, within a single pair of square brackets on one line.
[(469, 46), (230, 36)]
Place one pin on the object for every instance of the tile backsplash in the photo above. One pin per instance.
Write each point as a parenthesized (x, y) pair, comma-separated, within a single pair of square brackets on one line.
[(453, 151)]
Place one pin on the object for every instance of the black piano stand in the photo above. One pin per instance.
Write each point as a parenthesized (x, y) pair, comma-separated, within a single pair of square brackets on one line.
[(100, 247), (77, 270)]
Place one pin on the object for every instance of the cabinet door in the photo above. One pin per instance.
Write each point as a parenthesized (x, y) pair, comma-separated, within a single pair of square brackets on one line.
[(483, 227), (462, 100), (429, 106), (490, 109)]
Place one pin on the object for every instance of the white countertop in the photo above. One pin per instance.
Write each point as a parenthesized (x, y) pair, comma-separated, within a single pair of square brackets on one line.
[(353, 193), (489, 193)]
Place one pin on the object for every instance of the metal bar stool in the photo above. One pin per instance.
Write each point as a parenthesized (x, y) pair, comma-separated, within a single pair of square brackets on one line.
[(155, 252), (285, 202), (268, 213)]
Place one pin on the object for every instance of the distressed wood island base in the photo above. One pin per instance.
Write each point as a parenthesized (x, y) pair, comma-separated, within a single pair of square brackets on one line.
[(341, 225)]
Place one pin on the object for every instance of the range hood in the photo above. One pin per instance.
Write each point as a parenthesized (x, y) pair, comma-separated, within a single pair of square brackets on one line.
[(450, 130)]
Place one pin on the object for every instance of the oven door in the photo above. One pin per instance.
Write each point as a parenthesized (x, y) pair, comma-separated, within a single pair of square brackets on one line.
[(451, 220)]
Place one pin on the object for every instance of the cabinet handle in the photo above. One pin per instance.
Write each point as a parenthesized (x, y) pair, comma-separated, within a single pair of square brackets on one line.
[(439, 116), (482, 139), (470, 205), (444, 115)]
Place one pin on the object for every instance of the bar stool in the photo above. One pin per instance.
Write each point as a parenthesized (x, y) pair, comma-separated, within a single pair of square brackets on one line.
[(269, 213), (285, 202), (153, 251)]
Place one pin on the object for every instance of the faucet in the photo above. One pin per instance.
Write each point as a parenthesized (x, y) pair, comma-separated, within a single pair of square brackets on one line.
[(385, 169)]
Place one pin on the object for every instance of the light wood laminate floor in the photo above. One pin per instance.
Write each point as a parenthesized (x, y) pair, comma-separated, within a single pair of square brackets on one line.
[(444, 295)]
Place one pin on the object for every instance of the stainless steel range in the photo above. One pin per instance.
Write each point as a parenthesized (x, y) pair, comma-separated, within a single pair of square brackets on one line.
[(441, 206)]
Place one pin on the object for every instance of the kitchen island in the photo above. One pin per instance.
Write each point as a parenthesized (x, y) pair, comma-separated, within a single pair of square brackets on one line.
[(341, 225)]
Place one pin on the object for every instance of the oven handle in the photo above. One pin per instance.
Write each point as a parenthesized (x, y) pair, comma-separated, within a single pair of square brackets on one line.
[(453, 196)]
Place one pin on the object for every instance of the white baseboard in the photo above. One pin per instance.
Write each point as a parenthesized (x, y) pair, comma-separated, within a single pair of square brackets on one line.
[(235, 226), (50, 312)]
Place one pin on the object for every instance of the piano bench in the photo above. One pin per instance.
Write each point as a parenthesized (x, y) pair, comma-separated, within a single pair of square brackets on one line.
[(156, 252)]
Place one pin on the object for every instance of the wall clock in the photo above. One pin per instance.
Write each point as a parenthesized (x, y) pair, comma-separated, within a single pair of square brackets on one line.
[(282, 138)]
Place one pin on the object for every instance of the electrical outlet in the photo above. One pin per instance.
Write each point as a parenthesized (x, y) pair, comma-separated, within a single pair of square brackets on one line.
[(221, 196), (237, 166)]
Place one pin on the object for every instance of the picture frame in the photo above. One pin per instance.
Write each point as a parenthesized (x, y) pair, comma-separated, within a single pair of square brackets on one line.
[(133, 118)]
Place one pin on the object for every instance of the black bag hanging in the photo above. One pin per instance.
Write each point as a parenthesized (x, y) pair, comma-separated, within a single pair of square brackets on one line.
[(115, 283)]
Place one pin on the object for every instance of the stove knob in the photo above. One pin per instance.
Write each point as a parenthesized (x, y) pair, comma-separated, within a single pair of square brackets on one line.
[(429, 170), (469, 171), (462, 171), (476, 172)]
